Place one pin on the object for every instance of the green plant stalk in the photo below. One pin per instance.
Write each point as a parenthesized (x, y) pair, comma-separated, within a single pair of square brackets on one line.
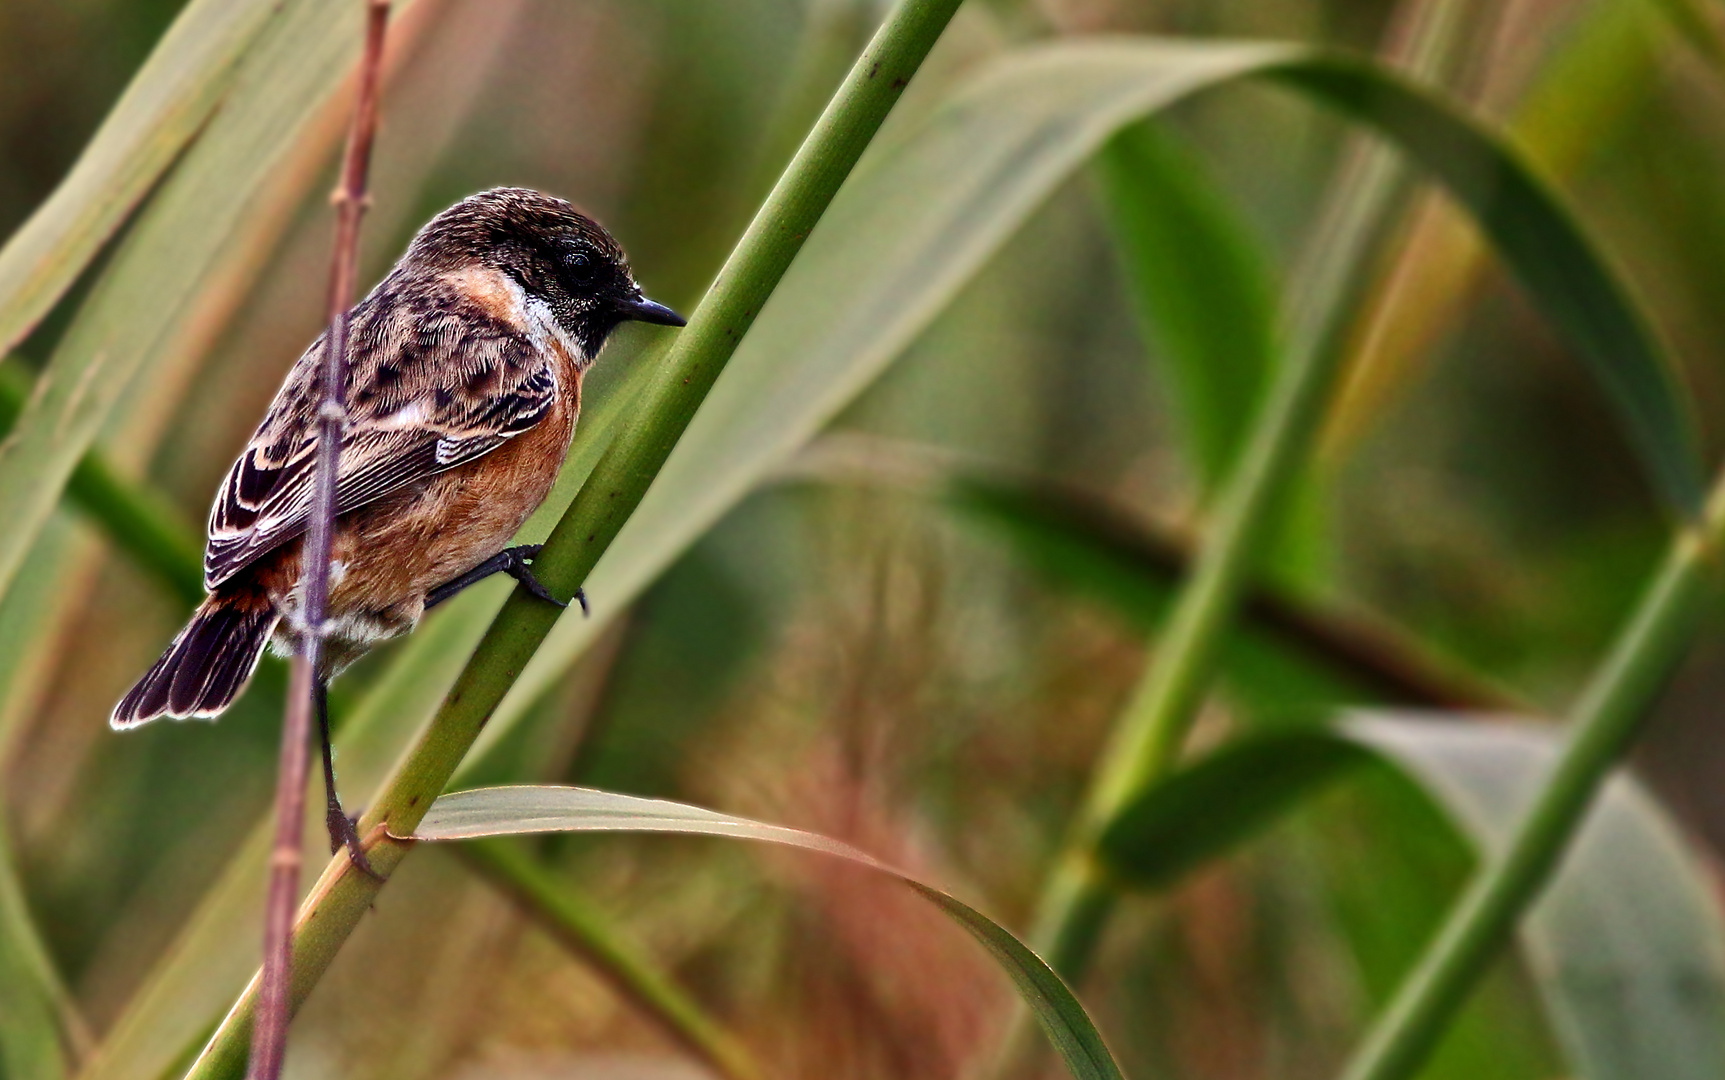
[(1147, 739), (581, 927), (1150, 732), (1605, 720), (617, 485)]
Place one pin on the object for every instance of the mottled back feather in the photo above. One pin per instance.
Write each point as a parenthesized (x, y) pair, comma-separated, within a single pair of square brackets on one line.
[(435, 379)]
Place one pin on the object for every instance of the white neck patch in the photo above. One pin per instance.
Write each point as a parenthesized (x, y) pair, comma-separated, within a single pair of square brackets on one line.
[(506, 299), (542, 328)]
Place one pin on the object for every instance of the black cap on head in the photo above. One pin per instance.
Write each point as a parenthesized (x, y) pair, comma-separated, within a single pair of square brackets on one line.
[(555, 252)]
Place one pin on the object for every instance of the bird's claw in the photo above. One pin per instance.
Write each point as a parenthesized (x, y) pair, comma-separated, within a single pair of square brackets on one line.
[(520, 568), (344, 833)]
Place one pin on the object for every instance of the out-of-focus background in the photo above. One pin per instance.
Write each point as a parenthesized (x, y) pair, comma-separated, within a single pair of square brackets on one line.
[(868, 659)]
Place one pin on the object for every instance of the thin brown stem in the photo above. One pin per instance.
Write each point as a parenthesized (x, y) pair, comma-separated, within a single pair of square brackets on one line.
[(269, 1041)]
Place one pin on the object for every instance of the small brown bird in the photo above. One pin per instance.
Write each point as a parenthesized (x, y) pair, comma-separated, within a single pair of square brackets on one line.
[(463, 386)]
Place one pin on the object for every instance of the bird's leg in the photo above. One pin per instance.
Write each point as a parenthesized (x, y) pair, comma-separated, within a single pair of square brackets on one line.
[(514, 561), (341, 827)]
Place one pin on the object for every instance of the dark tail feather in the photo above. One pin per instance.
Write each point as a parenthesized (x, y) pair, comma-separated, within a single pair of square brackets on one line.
[(208, 664)]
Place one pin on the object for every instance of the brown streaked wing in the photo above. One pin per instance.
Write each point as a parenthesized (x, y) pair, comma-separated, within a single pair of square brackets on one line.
[(423, 399)]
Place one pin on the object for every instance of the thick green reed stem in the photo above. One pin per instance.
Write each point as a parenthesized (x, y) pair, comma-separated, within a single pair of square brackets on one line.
[(616, 487), (1148, 736), (1605, 721)]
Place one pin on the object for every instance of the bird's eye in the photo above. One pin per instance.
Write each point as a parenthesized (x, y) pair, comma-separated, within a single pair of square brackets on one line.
[(579, 267)]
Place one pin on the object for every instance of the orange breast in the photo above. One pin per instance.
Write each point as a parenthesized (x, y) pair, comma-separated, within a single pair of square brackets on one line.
[(400, 547), (389, 554)]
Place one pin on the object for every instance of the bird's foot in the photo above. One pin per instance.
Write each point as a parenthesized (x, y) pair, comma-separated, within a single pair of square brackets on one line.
[(518, 564), (344, 833)]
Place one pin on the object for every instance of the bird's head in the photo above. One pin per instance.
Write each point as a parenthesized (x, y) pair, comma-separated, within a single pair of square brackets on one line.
[(561, 259)]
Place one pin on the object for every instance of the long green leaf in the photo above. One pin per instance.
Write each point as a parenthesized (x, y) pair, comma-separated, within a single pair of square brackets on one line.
[(1627, 947), (32, 998), (293, 68), (1554, 261), (1591, 84), (1211, 806), (1200, 284), (514, 811), (170, 98)]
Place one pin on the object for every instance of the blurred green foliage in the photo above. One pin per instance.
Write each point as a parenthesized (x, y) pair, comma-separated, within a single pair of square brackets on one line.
[(863, 660)]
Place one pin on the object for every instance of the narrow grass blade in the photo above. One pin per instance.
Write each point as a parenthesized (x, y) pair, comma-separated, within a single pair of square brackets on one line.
[(294, 66), (513, 811), (1595, 81), (170, 98), (1210, 807), (33, 1000), (1200, 283)]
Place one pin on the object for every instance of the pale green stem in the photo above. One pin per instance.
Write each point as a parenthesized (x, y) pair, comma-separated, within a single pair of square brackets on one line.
[(1148, 737), (1604, 720)]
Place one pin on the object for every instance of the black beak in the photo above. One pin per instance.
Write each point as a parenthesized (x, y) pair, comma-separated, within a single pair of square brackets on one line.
[(641, 309)]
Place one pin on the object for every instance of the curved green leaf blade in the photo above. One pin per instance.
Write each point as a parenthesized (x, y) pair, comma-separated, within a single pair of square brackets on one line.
[(920, 216), (1228, 797), (1541, 242), (166, 103), (1627, 947), (1200, 284), (526, 809)]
